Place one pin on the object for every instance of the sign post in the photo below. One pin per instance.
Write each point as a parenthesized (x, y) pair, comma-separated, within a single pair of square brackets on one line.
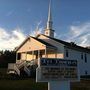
[(60, 85), (57, 72)]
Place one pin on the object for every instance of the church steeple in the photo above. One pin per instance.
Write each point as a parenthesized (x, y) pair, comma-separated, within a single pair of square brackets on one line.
[(49, 31), (49, 22)]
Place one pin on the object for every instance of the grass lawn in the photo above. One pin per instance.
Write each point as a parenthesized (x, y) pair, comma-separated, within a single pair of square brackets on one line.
[(26, 84), (30, 83), (9, 83), (82, 85)]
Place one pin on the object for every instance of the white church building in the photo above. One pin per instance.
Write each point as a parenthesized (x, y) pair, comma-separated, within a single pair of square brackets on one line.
[(47, 46)]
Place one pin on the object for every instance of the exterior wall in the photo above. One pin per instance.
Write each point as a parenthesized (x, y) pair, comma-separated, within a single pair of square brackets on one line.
[(31, 45), (49, 32), (76, 55), (51, 55), (60, 55), (28, 57), (87, 65), (54, 54), (60, 47), (23, 56)]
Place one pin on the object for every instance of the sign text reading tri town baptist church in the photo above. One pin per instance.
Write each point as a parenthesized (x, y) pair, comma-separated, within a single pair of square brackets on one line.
[(51, 69)]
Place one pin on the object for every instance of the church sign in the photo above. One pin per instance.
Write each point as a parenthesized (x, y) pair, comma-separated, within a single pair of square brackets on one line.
[(51, 69)]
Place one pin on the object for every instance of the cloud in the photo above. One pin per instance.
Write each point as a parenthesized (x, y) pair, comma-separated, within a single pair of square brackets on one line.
[(10, 40), (80, 34), (13, 38), (38, 29)]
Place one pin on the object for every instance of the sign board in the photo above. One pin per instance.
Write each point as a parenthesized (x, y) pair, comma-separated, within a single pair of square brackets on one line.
[(51, 69)]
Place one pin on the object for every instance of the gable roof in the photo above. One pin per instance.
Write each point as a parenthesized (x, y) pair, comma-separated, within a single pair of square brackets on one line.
[(45, 43), (17, 48), (70, 45)]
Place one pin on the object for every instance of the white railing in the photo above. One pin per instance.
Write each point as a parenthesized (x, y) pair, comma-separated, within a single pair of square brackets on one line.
[(21, 64), (13, 66), (27, 70), (16, 66), (16, 69)]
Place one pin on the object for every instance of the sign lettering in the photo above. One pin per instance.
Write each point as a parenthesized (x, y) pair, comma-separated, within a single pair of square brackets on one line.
[(51, 69)]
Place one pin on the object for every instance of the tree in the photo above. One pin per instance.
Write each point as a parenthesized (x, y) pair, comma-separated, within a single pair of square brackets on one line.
[(7, 57)]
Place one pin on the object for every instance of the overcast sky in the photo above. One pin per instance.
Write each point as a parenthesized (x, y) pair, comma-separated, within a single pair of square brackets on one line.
[(20, 18)]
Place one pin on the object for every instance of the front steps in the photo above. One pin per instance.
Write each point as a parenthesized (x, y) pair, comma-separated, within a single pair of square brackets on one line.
[(24, 68)]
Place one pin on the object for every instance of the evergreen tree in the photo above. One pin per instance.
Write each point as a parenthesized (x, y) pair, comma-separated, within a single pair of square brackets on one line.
[(7, 57)]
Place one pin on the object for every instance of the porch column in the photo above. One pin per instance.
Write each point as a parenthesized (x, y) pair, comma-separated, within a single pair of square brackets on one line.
[(45, 53), (38, 54), (56, 54), (16, 56), (26, 55), (32, 54)]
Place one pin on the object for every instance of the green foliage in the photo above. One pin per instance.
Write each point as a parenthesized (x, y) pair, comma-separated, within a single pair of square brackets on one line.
[(7, 57)]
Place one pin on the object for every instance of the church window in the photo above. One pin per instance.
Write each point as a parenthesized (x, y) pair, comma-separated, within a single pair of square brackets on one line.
[(66, 53), (81, 55), (85, 58)]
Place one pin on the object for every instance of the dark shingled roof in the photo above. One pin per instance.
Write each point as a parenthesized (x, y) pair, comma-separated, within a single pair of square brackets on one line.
[(70, 45), (47, 44)]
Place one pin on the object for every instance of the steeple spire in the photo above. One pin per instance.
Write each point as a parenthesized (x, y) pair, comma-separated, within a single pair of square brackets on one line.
[(49, 31), (49, 22)]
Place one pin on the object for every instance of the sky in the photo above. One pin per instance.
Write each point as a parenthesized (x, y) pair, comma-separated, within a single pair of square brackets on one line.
[(20, 18)]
